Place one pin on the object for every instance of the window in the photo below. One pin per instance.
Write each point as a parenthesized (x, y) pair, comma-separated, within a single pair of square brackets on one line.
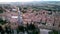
[(14, 16), (14, 9), (43, 12), (49, 12), (59, 25)]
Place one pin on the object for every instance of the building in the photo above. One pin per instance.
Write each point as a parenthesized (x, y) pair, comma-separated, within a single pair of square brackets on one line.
[(11, 16)]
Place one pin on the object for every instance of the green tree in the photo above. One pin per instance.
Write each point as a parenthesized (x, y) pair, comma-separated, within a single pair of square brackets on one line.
[(1, 11), (2, 21)]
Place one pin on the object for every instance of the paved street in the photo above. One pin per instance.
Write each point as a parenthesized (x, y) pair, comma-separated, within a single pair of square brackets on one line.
[(44, 31)]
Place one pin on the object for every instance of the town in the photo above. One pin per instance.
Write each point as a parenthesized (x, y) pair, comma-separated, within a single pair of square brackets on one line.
[(28, 20)]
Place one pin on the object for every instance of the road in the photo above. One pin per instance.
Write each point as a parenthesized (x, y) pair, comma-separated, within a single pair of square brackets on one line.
[(44, 31)]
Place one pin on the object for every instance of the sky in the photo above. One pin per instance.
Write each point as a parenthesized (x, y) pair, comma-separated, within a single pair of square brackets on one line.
[(25, 0)]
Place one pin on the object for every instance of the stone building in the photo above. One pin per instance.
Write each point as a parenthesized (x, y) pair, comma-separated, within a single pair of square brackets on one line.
[(11, 16)]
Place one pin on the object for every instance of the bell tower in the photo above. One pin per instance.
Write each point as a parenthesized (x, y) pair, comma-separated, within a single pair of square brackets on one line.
[(20, 20)]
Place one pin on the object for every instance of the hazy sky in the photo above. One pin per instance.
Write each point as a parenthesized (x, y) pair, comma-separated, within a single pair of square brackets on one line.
[(25, 0)]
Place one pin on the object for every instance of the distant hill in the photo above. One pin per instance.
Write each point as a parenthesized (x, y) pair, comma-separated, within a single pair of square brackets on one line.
[(48, 5)]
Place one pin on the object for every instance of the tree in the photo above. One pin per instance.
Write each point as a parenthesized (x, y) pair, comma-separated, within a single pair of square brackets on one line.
[(1, 11), (20, 29), (33, 29), (1, 30), (2, 21), (7, 30)]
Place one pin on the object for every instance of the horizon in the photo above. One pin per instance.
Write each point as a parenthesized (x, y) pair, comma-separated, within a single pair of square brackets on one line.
[(25, 0)]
